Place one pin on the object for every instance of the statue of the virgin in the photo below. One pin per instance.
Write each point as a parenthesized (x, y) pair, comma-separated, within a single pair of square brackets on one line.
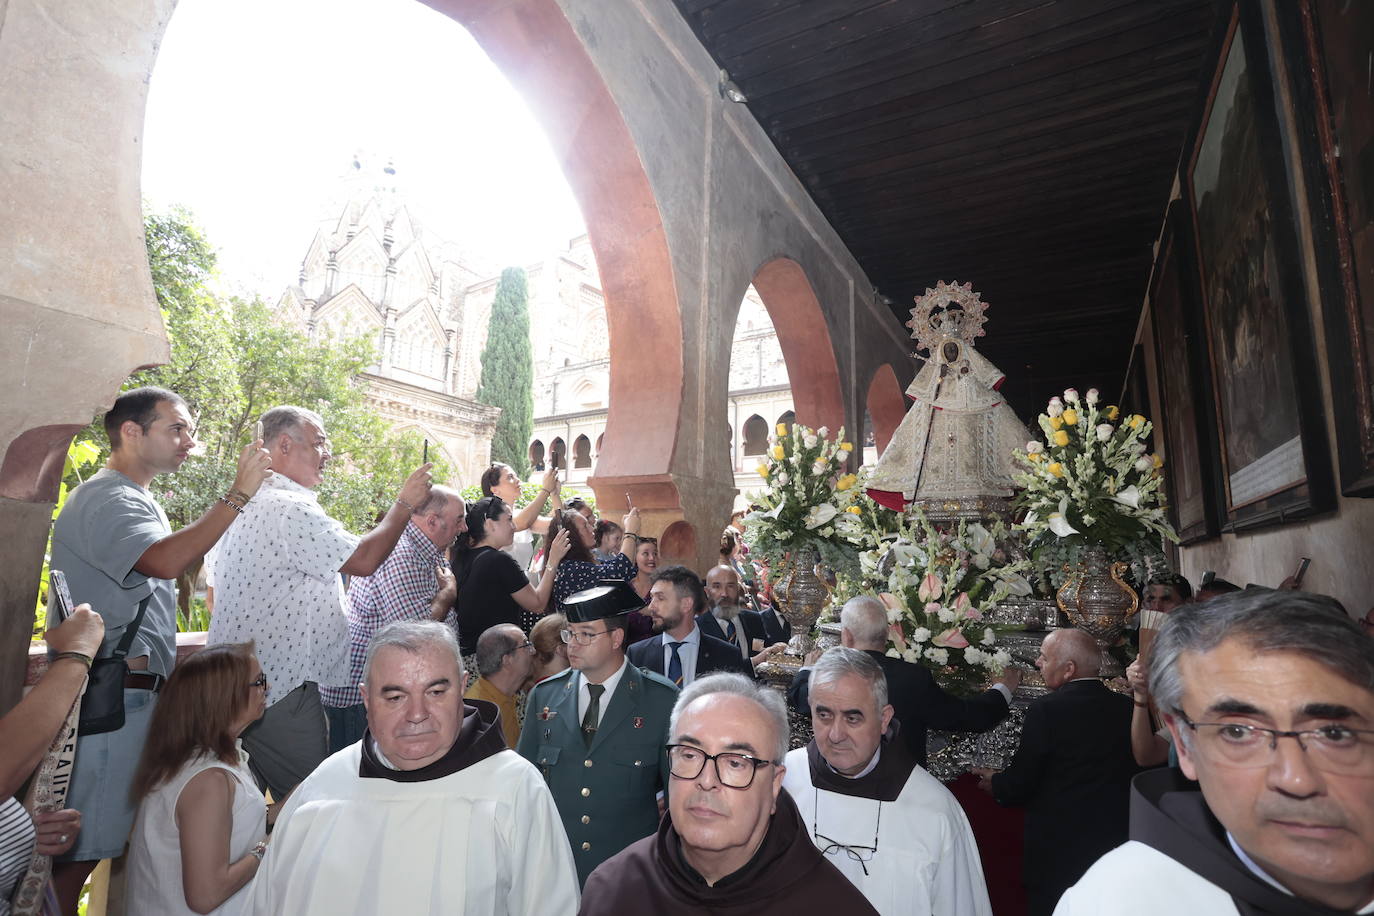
[(952, 453)]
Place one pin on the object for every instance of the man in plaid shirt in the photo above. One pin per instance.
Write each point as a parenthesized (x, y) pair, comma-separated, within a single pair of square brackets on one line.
[(413, 584)]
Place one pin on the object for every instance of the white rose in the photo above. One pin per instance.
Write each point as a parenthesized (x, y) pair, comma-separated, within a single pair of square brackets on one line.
[(809, 440), (1092, 397), (1056, 407), (782, 478), (1104, 432), (1071, 395), (820, 466), (841, 454), (988, 636), (1143, 464), (1034, 448), (981, 560), (823, 432)]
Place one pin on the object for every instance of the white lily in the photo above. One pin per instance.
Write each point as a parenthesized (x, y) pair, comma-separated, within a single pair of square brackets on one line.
[(777, 510), (819, 515), (1059, 522), (1129, 497)]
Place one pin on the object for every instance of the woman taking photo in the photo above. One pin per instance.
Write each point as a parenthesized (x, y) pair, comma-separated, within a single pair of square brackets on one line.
[(201, 828), (580, 569), (641, 625), (501, 480), (492, 587)]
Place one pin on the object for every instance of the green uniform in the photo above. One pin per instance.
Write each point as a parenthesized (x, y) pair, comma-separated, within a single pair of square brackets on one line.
[(606, 793)]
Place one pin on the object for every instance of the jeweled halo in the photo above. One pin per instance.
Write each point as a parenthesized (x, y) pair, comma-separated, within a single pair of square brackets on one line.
[(931, 323)]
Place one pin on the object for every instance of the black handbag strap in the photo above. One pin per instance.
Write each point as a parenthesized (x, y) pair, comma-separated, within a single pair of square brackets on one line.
[(127, 641)]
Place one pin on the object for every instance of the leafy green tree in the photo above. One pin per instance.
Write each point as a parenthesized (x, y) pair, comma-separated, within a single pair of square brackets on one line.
[(508, 371)]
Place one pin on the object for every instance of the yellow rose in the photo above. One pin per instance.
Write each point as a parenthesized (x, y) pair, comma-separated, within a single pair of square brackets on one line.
[(1111, 413), (762, 469), (847, 446), (1158, 460), (1061, 437), (1071, 417), (782, 429), (1036, 456), (1136, 421), (854, 510), (1055, 468), (845, 482), (778, 453), (1056, 422)]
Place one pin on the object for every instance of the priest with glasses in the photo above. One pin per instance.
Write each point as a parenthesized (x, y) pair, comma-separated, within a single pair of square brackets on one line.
[(889, 826)]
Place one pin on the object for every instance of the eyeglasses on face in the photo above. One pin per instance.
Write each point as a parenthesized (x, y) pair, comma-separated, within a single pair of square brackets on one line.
[(526, 645), (260, 681), (735, 771), (581, 637), (1333, 748)]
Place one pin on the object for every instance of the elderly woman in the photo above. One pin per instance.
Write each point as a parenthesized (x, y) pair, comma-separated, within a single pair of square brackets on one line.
[(201, 829), (579, 568), (492, 588)]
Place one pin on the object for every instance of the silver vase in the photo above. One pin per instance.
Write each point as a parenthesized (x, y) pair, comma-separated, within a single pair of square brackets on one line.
[(1098, 601), (802, 594)]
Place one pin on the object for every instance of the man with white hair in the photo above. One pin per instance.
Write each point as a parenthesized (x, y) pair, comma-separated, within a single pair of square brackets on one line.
[(917, 701), (428, 813), (1270, 698), (1072, 770), (277, 584), (732, 840), (889, 826)]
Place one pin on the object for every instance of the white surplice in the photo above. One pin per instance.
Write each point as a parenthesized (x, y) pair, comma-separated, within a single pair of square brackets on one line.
[(483, 840), (926, 860)]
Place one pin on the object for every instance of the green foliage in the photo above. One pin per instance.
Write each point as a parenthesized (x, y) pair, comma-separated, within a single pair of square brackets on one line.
[(508, 371), (81, 455)]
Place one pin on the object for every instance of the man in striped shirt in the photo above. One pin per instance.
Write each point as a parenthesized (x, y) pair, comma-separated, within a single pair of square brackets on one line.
[(414, 583)]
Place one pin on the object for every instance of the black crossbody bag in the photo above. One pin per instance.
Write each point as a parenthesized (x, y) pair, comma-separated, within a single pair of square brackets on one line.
[(102, 706)]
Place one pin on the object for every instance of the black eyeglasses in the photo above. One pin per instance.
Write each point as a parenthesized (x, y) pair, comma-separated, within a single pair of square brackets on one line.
[(261, 681), (861, 854), (1332, 748), (733, 770), (524, 645), (580, 637)]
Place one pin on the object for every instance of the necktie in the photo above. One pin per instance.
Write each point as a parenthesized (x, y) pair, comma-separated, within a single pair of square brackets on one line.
[(593, 716), (729, 631), (675, 665)]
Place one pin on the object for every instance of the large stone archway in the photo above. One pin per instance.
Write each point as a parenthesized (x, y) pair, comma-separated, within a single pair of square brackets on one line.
[(885, 404), (817, 394), (683, 194)]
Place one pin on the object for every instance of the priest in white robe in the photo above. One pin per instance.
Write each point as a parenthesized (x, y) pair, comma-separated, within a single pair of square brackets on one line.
[(887, 824), (428, 813)]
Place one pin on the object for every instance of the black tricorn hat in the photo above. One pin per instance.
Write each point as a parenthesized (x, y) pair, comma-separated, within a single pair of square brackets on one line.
[(608, 598)]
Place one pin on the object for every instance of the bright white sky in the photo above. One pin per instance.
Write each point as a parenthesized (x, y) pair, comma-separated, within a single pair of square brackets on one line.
[(257, 106)]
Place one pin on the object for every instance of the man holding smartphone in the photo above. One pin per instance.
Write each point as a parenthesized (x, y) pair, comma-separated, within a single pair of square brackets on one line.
[(117, 550)]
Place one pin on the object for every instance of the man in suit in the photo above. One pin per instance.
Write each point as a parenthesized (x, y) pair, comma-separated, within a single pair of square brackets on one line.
[(917, 701), (597, 731), (1072, 771), (748, 630), (681, 652)]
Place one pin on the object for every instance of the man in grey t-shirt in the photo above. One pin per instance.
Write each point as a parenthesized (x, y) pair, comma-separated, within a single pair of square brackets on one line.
[(117, 549)]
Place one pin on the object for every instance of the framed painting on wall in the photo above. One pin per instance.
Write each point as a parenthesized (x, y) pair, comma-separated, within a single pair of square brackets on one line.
[(1273, 453), (1331, 44), (1186, 420)]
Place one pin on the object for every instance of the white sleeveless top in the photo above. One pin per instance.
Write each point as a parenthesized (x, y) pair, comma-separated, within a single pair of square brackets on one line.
[(155, 849)]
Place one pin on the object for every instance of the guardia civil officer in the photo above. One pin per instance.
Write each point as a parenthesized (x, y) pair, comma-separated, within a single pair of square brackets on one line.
[(597, 730)]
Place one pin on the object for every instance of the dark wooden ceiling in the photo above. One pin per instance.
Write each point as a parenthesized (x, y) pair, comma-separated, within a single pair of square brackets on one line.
[(1027, 146)]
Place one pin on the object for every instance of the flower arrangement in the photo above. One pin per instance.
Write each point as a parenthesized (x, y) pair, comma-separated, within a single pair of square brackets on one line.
[(940, 587), (1092, 481), (808, 490)]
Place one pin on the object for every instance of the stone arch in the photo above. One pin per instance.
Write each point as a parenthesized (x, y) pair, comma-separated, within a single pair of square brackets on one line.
[(804, 336), (558, 454), (599, 440), (885, 404), (755, 435), (786, 418), (582, 452), (537, 455)]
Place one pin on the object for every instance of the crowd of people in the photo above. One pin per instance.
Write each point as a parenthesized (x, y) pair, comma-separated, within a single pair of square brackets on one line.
[(476, 725)]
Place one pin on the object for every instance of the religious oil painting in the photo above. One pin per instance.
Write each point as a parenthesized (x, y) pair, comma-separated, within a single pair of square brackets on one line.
[(1184, 418), (1256, 313), (1339, 49)]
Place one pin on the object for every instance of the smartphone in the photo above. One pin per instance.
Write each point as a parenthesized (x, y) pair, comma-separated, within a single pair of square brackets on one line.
[(257, 432), (59, 598), (629, 503), (425, 459), (1207, 577), (1303, 563)]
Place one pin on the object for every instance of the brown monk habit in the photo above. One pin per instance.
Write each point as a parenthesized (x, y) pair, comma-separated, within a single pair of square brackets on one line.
[(787, 876)]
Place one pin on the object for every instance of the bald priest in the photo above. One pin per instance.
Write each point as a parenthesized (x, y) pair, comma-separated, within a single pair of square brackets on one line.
[(732, 843), (428, 813)]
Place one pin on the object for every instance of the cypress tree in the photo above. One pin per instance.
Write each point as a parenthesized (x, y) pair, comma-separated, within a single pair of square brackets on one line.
[(508, 371)]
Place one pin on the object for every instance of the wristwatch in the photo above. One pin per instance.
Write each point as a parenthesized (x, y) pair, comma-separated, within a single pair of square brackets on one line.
[(259, 850)]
